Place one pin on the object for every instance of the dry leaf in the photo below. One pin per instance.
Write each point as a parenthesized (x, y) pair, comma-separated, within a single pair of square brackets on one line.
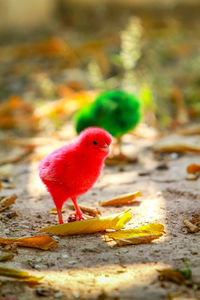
[(122, 200), (195, 219), (190, 129), (16, 155), (177, 143), (144, 234), (6, 201), (17, 113), (171, 275), (191, 227), (43, 242), (93, 211), (120, 159), (53, 211), (6, 256), (20, 275), (193, 169), (181, 109), (97, 224), (0, 185)]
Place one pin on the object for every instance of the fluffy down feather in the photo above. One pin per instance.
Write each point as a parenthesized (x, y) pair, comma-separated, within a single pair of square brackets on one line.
[(115, 111), (73, 169)]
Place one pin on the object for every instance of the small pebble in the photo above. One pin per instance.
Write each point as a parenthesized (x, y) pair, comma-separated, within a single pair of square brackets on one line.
[(72, 262), (58, 295), (37, 267), (159, 193), (65, 256), (11, 214), (56, 238), (41, 291), (174, 155), (76, 294)]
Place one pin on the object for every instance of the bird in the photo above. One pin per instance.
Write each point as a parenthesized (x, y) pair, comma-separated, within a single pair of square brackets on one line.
[(71, 170), (116, 111)]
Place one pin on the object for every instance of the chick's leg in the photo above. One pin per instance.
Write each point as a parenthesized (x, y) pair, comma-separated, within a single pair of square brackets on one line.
[(60, 218), (79, 214), (59, 196)]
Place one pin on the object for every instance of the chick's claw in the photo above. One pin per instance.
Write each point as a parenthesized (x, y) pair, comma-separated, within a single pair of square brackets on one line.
[(73, 217)]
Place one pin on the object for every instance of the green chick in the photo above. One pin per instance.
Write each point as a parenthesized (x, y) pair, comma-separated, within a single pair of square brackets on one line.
[(116, 111)]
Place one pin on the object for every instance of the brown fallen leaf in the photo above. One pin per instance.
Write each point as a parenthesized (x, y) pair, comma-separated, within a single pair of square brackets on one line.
[(181, 109), (53, 211), (193, 169), (120, 159), (190, 129), (144, 234), (17, 113), (6, 201), (190, 226), (0, 185), (93, 211), (171, 275), (97, 224), (195, 219), (6, 256), (177, 143), (44, 242), (17, 155), (20, 275), (122, 199)]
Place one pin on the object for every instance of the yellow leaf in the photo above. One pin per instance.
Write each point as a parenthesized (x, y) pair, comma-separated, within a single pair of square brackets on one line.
[(144, 234), (20, 275), (6, 257), (122, 200), (97, 224), (43, 242)]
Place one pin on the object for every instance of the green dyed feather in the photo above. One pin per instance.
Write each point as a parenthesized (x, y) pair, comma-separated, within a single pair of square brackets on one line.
[(116, 111)]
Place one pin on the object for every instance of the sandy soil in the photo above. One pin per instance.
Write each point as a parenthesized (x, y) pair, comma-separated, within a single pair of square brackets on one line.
[(85, 266)]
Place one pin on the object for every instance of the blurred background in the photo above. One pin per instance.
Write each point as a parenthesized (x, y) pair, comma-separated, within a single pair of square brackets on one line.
[(56, 56)]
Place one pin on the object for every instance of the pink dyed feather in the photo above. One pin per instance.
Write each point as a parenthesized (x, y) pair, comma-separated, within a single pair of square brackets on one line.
[(71, 170)]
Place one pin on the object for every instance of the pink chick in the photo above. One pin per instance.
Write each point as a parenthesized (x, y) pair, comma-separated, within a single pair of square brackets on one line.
[(71, 170)]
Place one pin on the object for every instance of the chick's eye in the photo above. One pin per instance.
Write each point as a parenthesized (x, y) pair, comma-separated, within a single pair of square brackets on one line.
[(95, 143)]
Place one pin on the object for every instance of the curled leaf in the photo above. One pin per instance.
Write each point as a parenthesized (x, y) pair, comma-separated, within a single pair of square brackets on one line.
[(193, 169), (5, 201), (97, 224), (6, 256), (122, 199), (144, 234), (93, 211), (177, 143), (191, 227), (171, 275), (20, 275), (43, 242), (53, 211), (120, 159)]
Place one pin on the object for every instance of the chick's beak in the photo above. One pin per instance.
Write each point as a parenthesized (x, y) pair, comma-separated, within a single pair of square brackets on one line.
[(105, 148)]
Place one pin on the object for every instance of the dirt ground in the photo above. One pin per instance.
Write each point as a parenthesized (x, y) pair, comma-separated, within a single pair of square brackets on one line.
[(85, 266)]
